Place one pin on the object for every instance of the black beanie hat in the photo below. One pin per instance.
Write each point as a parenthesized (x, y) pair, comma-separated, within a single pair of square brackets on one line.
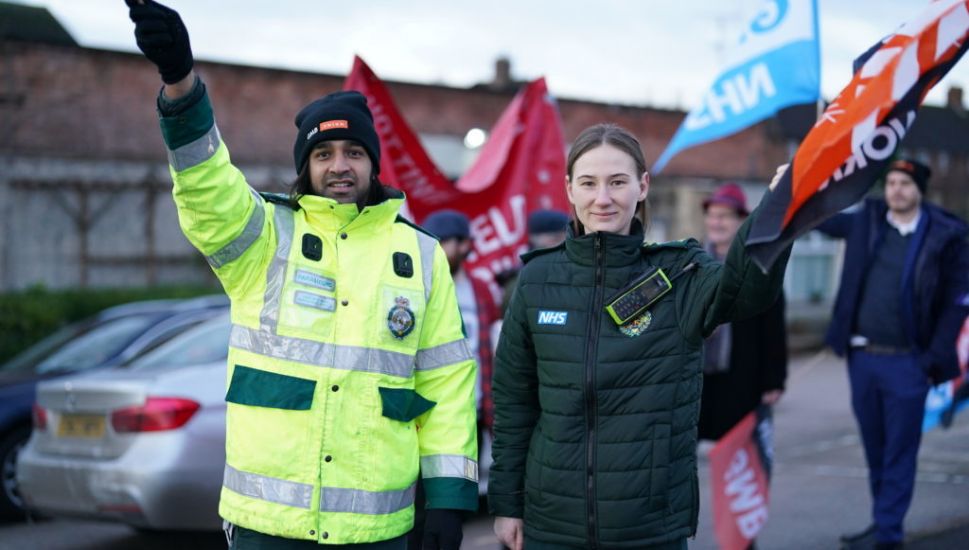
[(340, 115), (919, 172)]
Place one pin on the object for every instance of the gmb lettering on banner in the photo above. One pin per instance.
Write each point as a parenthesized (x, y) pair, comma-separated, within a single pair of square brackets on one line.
[(746, 501)]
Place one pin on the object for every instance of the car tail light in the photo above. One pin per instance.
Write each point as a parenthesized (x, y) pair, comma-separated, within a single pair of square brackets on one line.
[(39, 416), (156, 415)]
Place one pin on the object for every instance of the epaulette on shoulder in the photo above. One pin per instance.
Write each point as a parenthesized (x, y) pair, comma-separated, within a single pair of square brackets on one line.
[(279, 198), (532, 254), (405, 221), (682, 244)]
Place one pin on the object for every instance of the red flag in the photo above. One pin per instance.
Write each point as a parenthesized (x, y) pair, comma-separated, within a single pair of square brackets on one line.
[(520, 169), (855, 138), (739, 473), (403, 162)]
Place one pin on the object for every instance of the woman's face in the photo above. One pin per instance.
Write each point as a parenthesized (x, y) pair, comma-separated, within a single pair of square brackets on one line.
[(605, 188)]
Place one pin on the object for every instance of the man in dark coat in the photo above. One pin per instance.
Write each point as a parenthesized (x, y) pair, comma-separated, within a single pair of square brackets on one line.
[(745, 362), (901, 303)]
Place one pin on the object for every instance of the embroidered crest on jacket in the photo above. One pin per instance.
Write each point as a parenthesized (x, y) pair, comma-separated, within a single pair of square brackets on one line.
[(637, 326), (400, 319)]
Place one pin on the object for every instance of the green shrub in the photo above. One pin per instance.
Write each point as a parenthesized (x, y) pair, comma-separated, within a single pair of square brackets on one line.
[(30, 315)]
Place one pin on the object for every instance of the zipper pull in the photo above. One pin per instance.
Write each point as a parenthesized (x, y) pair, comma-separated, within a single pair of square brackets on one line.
[(686, 269)]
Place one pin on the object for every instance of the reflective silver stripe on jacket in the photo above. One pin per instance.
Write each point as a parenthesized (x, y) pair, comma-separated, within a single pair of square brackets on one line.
[(321, 354), (196, 152), (449, 466), (240, 244), (276, 274), (427, 245), (355, 501), (280, 491), (443, 355)]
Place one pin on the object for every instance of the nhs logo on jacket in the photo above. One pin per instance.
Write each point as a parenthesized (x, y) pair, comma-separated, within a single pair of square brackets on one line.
[(546, 317)]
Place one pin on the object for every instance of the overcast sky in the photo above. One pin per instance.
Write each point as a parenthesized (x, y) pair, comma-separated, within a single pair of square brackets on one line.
[(642, 52)]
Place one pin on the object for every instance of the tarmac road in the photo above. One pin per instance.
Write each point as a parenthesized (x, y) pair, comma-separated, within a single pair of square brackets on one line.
[(818, 489)]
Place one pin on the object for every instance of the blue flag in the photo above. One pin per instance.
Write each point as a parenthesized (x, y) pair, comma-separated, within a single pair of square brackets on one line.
[(775, 64)]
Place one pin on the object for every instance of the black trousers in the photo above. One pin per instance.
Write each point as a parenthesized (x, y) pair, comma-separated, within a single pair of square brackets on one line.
[(247, 539)]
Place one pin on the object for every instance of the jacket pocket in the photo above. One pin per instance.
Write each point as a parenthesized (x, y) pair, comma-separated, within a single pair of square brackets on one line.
[(661, 469), (259, 388), (695, 503), (403, 404)]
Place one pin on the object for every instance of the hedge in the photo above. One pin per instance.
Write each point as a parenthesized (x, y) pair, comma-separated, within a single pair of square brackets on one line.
[(28, 316)]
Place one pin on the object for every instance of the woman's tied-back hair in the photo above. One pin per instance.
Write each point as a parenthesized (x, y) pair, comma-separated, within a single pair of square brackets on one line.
[(620, 138)]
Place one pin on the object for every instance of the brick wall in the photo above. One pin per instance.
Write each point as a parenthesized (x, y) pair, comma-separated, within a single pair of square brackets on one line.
[(86, 103)]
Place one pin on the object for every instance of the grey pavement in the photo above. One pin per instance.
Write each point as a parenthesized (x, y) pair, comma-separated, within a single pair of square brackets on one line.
[(819, 487)]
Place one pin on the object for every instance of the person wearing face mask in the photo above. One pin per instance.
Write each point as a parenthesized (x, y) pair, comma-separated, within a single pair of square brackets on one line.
[(599, 366), (347, 367)]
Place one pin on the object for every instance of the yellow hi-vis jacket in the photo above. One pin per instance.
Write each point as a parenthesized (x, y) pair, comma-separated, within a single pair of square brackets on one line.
[(347, 364)]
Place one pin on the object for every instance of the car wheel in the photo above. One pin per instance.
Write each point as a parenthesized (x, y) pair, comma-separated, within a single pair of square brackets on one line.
[(11, 503)]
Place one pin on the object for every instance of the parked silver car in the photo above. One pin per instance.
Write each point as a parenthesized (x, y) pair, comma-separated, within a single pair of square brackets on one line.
[(142, 444), (115, 336)]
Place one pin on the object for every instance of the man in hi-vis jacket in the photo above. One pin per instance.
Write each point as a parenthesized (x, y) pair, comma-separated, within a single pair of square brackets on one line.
[(347, 365)]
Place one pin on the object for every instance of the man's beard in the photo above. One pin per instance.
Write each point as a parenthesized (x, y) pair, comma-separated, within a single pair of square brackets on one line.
[(456, 263), (903, 207)]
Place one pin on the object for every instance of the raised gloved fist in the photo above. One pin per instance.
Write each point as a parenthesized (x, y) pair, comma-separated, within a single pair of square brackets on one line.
[(162, 37)]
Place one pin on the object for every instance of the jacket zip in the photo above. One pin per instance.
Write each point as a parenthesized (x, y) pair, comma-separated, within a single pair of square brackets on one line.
[(591, 417)]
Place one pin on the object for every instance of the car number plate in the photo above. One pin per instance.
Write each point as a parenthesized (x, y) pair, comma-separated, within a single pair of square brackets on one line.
[(81, 425)]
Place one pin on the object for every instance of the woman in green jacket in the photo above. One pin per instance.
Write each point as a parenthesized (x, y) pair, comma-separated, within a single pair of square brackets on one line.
[(598, 376)]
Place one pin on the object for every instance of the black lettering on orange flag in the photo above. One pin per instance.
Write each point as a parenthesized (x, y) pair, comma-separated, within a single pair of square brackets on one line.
[(850, 145)]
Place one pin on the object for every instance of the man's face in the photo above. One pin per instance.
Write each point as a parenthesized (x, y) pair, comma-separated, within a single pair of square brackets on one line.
[(456, 250), (901, 193), (340, 170), (721, 223)]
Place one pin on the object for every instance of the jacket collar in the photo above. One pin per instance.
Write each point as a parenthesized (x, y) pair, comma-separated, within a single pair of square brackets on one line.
[(619, 250), (328, 215)]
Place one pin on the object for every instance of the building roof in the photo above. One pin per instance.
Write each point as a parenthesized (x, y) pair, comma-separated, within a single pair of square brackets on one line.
[(935, 129), (32, 24)]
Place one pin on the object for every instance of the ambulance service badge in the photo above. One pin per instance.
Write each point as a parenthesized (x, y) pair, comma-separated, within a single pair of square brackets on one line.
[(400, 319), (637, 326)]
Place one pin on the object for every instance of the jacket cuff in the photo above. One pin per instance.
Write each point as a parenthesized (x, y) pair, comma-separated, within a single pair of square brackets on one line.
[(172, 107), (187, 118), (506, 506), (451, 493)]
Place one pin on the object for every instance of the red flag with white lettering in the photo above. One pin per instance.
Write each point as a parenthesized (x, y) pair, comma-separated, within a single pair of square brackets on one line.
[(850, 145), (520, 169), (739, 473), (403, 162)]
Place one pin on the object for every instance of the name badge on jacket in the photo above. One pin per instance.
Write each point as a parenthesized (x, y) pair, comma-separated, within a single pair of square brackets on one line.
[(546, 317)]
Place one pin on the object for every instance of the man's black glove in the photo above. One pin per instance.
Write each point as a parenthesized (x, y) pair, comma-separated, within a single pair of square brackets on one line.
[(162, 37), (442, 530)]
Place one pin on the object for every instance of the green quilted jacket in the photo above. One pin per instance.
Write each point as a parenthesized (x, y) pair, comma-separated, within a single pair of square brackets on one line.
[(595, 424)]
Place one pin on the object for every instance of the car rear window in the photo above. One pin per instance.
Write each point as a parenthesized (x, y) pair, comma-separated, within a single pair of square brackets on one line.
[(206, 343), (96, 346)]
